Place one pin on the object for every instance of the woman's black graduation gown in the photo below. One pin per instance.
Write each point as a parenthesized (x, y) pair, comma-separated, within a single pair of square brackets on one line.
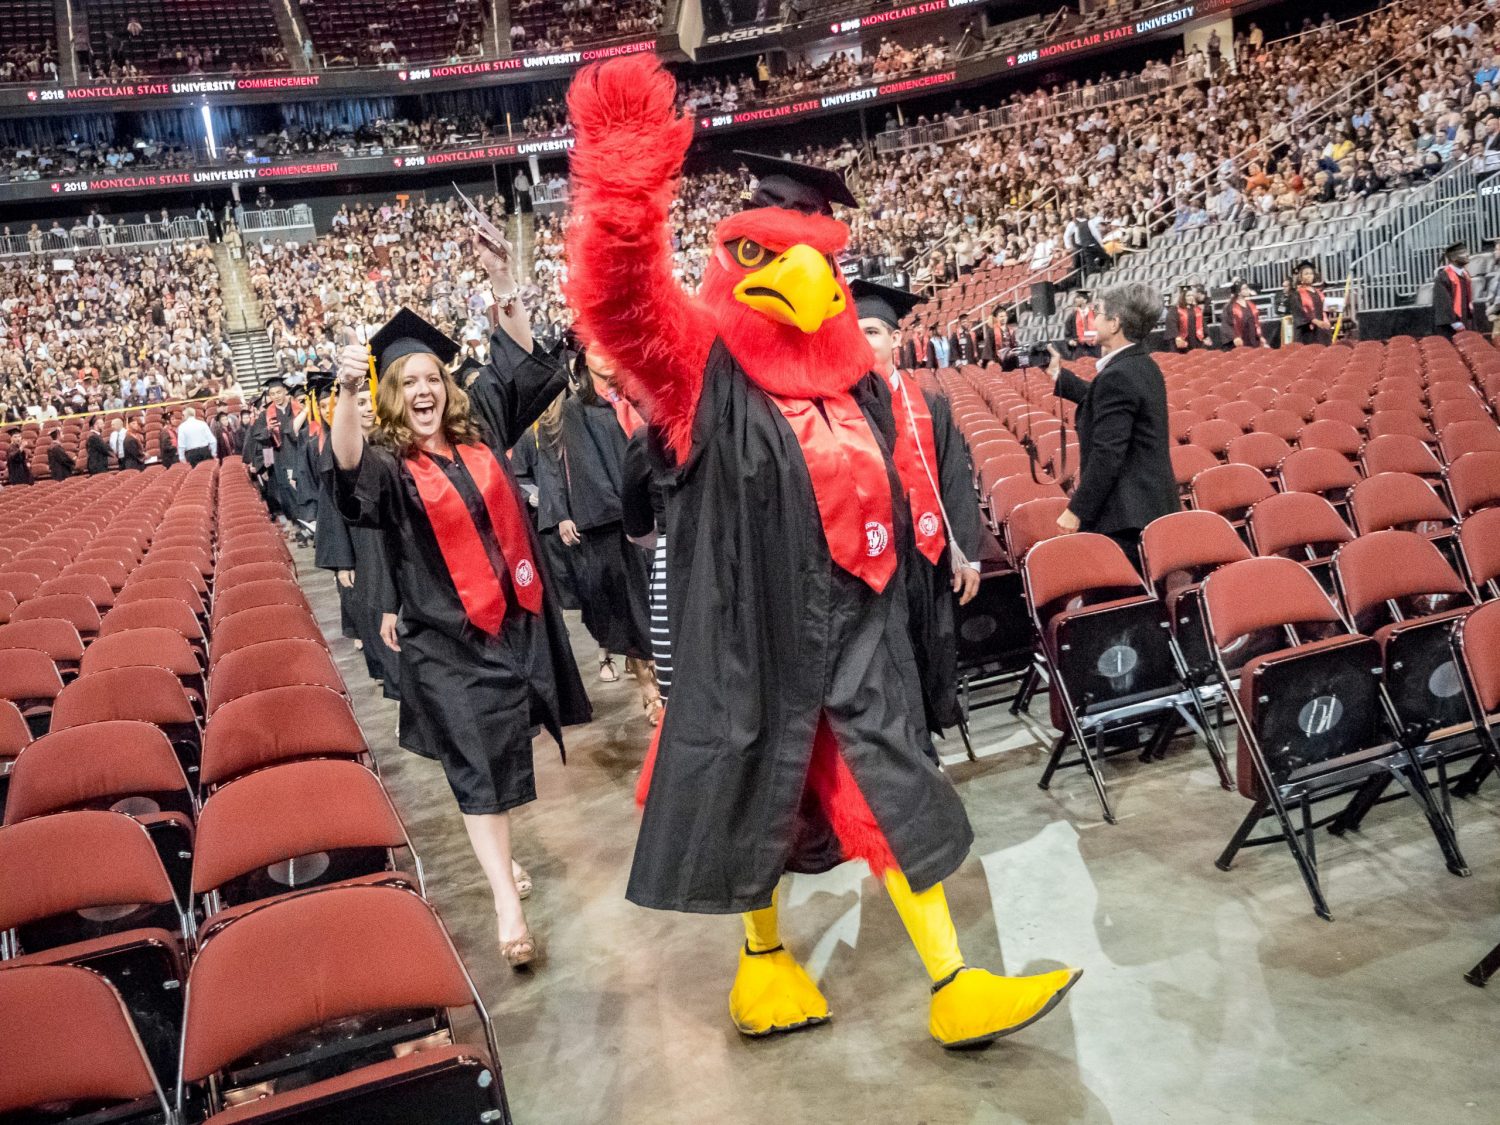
[(534, 462), (478, 696), (337, 546), (769, 635), (613, 574)]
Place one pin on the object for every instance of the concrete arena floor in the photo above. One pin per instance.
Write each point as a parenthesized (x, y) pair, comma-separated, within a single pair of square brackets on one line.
[(1208, 997)]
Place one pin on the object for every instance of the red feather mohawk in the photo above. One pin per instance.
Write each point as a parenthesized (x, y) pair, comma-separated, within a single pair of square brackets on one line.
[(626, 165)]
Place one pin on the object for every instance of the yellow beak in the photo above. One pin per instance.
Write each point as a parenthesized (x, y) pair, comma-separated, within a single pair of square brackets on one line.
[(797, 288)]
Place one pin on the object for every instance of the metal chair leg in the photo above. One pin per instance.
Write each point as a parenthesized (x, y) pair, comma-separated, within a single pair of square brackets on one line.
[(1054, 758), (1364, 799), (1489, 965), (1241, 834)]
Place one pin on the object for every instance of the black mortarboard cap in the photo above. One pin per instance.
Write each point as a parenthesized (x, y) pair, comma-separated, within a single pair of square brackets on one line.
[(1455, 248), (274, 381), (882, 301), (406, 333), (1306, 264), (797, 187), (320, 383)]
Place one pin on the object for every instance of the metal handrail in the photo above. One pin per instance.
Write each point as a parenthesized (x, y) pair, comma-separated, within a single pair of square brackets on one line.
[(273, 218), (121, 236)]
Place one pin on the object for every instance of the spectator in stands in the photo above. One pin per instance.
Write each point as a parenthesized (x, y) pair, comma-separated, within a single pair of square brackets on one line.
[(1125, 474), (1453, 294)]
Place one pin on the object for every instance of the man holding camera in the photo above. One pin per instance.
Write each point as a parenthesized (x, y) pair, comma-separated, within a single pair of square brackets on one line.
[(1125, 477)]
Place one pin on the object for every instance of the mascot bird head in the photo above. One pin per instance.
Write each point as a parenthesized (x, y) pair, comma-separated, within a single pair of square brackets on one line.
[(773, 285)]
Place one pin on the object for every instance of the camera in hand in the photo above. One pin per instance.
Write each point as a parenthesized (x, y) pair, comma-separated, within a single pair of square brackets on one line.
[(1038, 355)]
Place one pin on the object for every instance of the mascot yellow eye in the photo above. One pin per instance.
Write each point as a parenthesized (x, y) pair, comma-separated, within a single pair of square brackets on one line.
[(749, 253)]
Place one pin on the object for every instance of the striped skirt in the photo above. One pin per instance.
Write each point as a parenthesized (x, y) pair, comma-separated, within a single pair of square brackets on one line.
[(661, 636)]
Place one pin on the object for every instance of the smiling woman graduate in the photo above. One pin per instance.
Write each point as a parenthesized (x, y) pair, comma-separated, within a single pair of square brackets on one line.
[(484, 650)]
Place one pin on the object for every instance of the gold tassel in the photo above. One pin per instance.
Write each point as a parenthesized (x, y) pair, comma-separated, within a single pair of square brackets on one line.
[(374, 388)]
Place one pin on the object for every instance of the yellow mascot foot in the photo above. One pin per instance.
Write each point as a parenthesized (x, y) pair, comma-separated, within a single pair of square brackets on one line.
[(975, 1007), (772, 994)]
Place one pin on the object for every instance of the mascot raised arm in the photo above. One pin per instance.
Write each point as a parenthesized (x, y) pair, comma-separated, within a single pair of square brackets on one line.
[(795, 736)]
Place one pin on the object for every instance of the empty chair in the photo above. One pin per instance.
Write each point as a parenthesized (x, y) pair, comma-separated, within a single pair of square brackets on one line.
[(195, 557), (91, 586), (8, 605), (1229, 490), (273, 664), (152, 569), (175, 589), (265, 623), (1479, 551), (108, 569), (1012, 491), (143, 694), (1476, 645), (1297, 525), (304, 977), (29, 679), (1261, 451), (293, 826), (167, 613), (261, 571), (275, 725), (1308, 708), (1330, 433), (1398, 422), (75, 609), (148, 648), (1030, 523), (1465, 409), (1323, 471), (20, 584), (1178, 551), (252, 595), (1400, 453), (1240, 413), (15, 734), (70, 1042), (1458, 438), (1340, 410), (1187, 462), (88, 888), (1474, 482), (1107, 647), (1285, 424), (1214, 435), (1398, 500)]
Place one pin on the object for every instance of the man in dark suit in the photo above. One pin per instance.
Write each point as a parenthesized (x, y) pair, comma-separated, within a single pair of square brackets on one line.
[(1125, 476), (1453, 294), (96, 449)]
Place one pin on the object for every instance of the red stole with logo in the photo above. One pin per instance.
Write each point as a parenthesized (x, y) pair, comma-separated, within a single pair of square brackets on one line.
[(468, 563), (915, 455), (849, 483)]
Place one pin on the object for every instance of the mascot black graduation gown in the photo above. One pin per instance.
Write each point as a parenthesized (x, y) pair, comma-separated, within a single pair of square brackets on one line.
[(796, 734)]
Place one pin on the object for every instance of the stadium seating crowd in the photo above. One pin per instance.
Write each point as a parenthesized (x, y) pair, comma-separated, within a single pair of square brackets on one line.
[(561, 25), (373, 260), (116, 329)]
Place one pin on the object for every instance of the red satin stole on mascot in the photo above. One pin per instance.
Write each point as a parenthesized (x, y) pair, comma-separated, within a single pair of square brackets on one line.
[(849, 483), (915, 454), (474, 576)]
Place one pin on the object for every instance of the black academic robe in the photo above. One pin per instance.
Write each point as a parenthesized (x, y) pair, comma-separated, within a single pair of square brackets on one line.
[(1240, 322), (336, 547), (1189, 324), (1307, 306), (770, 637), (962, 348), (135, 453), (932, 603), (536, 464), (1073, 331), (613, 574), (59, 464), (285, 459), (1453, 301), (478, 696), (18, 460), (97, 450), (167, 447)]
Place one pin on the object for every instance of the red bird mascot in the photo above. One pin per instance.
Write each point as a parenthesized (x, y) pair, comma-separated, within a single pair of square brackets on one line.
[(795, 736)]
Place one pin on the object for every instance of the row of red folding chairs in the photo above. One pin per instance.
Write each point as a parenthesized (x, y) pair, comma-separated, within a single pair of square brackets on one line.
[(278, 795), (1385, 675)]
